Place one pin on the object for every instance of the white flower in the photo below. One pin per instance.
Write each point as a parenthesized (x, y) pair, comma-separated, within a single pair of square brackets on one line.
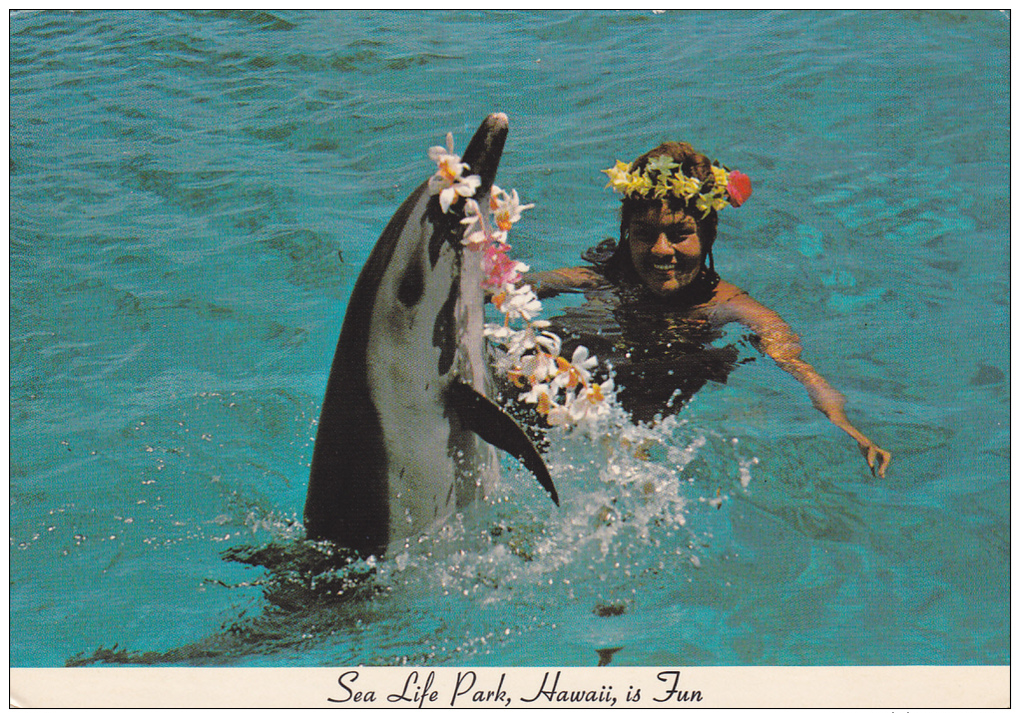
[(524, 340), (520, 342), (506, 208), (438, 153), (450, 167), (560, 414), (549, 341), (591, 402), (577, 370), (498, 332), (475, 234), (449, 180), (515, 342), (543, 395), (537, 368), (518, 302), (465, 187)]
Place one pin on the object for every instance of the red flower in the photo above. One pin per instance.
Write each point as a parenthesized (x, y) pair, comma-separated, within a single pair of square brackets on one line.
[(739, 188)]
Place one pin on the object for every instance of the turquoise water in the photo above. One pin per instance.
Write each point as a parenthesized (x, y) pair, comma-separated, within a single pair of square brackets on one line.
[(192, 196)]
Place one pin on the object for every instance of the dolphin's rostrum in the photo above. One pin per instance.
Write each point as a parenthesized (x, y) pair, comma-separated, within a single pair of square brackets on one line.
[(406, 425)]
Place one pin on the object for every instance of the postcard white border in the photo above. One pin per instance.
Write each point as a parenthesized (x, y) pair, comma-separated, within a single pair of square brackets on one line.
[(891, 687)]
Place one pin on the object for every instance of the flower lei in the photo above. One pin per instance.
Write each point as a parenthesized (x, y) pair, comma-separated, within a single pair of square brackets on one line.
[(715, 193), (562, 391)]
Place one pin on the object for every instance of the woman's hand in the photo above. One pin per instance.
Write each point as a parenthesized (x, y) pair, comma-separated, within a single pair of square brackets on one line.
[(878, 459)]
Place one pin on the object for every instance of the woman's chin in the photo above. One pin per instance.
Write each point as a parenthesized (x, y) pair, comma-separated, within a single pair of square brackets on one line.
[(663, 286), (666, 283)]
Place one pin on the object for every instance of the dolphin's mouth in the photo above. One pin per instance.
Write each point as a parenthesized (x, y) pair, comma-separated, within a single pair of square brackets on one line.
[(485, 149)]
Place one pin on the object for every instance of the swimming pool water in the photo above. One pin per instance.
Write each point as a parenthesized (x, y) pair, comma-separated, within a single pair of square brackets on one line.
[(193, 195)]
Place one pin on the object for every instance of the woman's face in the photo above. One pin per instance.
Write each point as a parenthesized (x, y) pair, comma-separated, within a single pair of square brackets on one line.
[(665, 249)]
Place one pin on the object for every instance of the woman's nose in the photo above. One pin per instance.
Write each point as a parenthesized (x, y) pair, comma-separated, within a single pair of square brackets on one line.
[(662, 246)]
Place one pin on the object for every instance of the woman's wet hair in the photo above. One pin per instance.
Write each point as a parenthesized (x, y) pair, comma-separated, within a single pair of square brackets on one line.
[(614, 258)]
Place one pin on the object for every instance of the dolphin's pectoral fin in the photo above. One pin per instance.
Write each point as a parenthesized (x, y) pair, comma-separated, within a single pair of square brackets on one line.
[(496, 427)]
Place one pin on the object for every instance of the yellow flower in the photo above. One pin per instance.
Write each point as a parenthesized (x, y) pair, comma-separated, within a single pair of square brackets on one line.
[(663, 164), (721, 177), (662, 188), (711, 201), (684, 186), (639, 184), (619, 175)]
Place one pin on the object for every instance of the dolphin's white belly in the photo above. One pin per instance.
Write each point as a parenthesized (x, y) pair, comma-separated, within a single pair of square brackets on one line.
[(433, 468)]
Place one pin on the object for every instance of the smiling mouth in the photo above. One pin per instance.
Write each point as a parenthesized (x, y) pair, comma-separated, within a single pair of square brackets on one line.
[(663, 267)]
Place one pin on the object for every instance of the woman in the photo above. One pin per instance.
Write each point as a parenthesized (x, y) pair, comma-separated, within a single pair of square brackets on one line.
[(656, 302)]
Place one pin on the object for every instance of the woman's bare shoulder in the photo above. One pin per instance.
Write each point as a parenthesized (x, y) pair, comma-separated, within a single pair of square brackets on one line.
[(727, 300), (731, 303)]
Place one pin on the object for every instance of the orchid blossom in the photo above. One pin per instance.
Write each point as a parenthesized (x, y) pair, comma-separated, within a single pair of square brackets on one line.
[(449, 180), (500, 269), (475, 235), (518, 302), (576, 371), (591, 402), (506, 208)]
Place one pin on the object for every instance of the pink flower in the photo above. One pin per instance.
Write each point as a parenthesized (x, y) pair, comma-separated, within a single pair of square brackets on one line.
[(499, 269), (739, 188)]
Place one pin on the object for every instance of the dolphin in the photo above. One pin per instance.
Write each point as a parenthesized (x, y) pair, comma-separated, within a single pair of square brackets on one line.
[(408, 428)]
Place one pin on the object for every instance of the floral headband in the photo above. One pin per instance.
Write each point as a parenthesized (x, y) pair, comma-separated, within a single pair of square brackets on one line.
[(715, 193), (562, 391)]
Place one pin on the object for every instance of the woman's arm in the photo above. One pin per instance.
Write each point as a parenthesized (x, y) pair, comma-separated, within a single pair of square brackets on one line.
[(777, 340), (564, 279)]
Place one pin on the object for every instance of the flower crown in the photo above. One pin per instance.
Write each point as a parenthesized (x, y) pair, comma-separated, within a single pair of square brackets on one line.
[(722, 188), (529, 357)]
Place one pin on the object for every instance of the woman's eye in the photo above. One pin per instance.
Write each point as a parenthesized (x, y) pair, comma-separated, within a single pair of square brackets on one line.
[(648, 234)]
